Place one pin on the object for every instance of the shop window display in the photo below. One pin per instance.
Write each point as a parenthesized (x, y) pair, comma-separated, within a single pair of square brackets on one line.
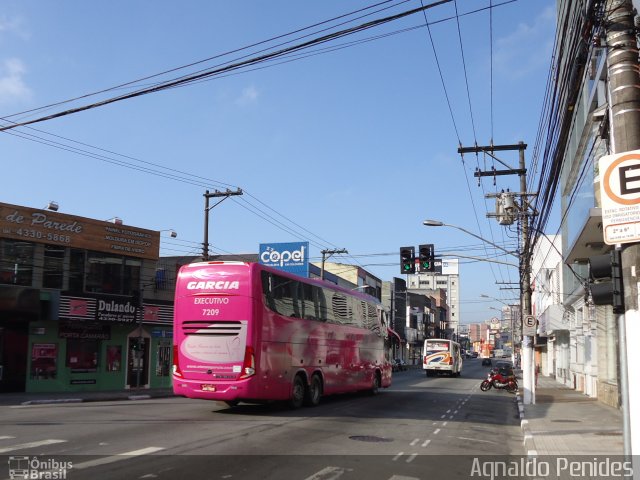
[(82, 355)]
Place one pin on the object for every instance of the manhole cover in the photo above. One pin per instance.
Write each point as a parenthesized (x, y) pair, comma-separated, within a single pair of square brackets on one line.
[(370, 438)]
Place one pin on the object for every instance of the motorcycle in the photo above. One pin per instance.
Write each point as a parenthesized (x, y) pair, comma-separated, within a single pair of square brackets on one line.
[(500, 380)]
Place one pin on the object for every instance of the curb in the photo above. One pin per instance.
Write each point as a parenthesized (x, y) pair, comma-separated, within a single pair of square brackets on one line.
[(94, 399), (527, 436), (52, 400)]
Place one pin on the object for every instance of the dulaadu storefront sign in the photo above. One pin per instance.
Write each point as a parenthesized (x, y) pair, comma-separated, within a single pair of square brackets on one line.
[(116, 311), (102, 309)]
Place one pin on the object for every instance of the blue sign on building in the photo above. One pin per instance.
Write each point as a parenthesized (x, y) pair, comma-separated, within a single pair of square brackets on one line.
[(291, 257)]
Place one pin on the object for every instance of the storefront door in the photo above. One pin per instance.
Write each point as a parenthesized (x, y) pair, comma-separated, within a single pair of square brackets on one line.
[(14, 341), (138, 362)]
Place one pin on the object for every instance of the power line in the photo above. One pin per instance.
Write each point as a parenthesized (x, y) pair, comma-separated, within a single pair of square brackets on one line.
[(230, 67)]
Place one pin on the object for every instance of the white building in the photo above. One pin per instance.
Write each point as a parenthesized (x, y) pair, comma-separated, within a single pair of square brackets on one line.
[(447, 279), (547, 305)]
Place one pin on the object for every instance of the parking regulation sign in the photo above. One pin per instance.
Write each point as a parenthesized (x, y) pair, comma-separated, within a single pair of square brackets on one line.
[(528, 325), (620, 197)]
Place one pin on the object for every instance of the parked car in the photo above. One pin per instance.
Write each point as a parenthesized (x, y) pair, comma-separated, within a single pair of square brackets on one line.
[(486, 361), (399, 365), (474, 354)]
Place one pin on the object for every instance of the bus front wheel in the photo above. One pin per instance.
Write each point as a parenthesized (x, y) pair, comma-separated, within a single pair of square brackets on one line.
[(297, 392)]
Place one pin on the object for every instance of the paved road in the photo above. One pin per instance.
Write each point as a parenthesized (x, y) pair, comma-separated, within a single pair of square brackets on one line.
[(413, 430)]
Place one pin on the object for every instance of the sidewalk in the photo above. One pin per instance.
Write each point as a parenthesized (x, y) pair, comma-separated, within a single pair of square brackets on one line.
[(22, 398), (565, 422)]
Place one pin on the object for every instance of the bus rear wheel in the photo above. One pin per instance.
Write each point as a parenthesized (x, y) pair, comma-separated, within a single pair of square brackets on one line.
[(375, 387), (297, 392), (314, 392)]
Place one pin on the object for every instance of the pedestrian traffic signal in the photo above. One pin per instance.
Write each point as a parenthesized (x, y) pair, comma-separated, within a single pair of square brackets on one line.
[(407, 259), (426, 258), (605, 280)]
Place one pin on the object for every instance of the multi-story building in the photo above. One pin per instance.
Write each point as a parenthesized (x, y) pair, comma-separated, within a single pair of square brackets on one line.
[(354, 275), (552, 347), (447, 279), (83, 305), (584, 129)]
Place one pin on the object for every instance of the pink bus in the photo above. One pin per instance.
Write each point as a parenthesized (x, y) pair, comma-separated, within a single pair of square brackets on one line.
[(247, 332)]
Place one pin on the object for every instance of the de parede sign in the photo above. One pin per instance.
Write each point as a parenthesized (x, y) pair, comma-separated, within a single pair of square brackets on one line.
[(620, 197)]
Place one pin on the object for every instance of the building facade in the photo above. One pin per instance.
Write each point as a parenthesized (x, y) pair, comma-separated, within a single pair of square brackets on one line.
[(585, 135), (82, 304), (449, 281)]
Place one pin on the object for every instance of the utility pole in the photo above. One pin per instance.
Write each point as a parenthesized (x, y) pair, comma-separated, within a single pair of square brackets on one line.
[(329, 253), (624, 115), (228, 193), (527, 346)]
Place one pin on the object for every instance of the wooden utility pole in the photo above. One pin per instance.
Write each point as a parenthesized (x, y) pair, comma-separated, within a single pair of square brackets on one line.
[(624, 105), (326, 254), (527, 346), (228, 193)]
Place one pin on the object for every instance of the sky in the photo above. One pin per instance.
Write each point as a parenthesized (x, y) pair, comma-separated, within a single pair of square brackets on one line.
[(347, 144)]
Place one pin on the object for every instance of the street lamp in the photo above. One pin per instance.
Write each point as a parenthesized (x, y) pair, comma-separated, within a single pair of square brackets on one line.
[(436, 223), (172, 232), (52, 205), (524, 260)]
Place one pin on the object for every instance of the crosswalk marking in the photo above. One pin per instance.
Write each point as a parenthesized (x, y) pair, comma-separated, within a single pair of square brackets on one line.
[(116, 458), (39, 443), (6, 437)]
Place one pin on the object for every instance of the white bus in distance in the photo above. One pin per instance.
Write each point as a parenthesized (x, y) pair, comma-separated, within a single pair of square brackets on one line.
[(442, 356)]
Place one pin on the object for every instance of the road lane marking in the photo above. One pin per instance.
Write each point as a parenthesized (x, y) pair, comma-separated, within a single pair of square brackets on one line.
[(426, 442), (39, 443), (398, 456), (414, 442), (411, 457), (327, 473), (476, 440), (6, 437), (437, 430), (116, 458)]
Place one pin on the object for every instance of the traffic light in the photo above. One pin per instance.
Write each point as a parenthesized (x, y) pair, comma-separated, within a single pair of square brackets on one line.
[(425, 263), (605, 280), (407, 259)]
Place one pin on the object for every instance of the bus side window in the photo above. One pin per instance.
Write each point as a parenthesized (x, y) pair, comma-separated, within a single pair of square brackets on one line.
[(307, 305), (321, 305), (285, 297), (267, 291)]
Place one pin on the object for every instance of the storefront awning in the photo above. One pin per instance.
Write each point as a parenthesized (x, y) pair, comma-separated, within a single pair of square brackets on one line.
[(395, 334)]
